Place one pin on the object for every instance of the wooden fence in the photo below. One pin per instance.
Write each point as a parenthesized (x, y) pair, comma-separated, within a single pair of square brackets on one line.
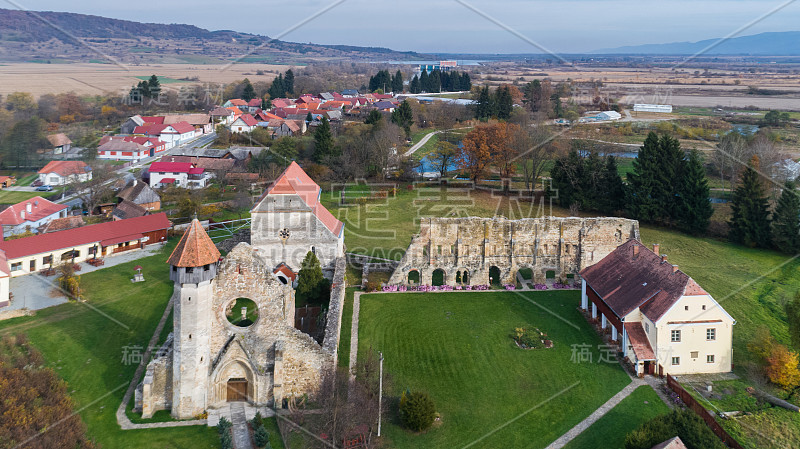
[(701, 411)]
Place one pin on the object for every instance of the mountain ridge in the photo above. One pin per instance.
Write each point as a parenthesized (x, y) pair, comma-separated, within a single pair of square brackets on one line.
[(771, 43)]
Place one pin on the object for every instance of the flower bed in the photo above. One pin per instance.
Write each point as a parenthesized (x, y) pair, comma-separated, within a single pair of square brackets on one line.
[(531, 338), (433, 288)]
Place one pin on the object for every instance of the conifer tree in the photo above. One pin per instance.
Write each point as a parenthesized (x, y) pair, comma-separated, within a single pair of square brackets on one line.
[(786, 220), (154, 86), (414, 86), (483, 109), (403, 117), (288, 82), (311, 284), (612, 189), (505, 104), (248, 93), (323, 141), (423, 81), (397, 82), (643, 188), (750, 223), (694, 211)]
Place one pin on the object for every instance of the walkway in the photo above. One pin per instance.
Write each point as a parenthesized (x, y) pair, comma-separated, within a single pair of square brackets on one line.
[(34, 291), (419, 144), (241, 434), (354, 333), (597, 414)]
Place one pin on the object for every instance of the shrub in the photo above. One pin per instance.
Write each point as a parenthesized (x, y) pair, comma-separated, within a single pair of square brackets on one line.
[(782, 367), (224, 425), (226, 440), (417, 411), (372, 286), (692, 430), (261, 436)]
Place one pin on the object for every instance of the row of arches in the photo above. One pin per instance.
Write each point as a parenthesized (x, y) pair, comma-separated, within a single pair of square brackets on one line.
[(462, 276), (439, 277)]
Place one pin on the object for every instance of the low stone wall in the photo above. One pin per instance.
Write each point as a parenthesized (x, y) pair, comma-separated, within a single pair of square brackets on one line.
[(333, 325)]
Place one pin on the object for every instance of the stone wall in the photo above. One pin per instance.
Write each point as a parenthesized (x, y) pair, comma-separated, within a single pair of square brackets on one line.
[(482, 247), (155, 391)]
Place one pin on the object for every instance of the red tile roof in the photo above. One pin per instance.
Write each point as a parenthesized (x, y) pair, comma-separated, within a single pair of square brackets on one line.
[(238, 102), (65, 168), (195, 248), (248, 120), (84, 235), (283, 268), (5, 271), (625, 281), (174, 167), (40, 208), (182, 127), (295, 181), (255, 102), (638, 339), (153, 119)]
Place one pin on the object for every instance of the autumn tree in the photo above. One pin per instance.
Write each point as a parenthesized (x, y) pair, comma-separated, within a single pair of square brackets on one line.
[(475, 154), (782, 367), (504, 155), (442, 156)]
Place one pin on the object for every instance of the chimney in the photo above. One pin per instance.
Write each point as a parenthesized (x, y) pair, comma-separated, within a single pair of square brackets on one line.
[(656, 247), (674, 268), (663, 258), (28, 207), (635, 250)]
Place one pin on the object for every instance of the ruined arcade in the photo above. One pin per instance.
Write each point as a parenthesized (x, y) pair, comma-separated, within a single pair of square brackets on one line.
[(470, 250)]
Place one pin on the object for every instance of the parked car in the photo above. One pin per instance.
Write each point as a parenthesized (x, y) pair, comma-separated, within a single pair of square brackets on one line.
[(44, 188)]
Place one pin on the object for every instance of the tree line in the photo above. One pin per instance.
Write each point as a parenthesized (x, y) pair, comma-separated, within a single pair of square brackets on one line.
[(439, 81)]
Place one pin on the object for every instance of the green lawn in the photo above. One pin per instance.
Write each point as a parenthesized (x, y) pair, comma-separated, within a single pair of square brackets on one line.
[(610, 430), (86, 343), (13, 197), (458, 348), (347, 325)]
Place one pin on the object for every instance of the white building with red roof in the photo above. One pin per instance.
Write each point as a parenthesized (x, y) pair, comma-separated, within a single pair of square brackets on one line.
[(289, 221), (30, 215), (173, 134), (179, 174), (664, 321), (57, 173), (244, 124)]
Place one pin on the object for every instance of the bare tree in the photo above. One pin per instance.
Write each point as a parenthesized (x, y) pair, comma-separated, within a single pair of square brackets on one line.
[(535, 146), (97, 189)]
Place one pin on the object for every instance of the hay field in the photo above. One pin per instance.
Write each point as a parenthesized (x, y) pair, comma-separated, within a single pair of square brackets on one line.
[(92, 79)]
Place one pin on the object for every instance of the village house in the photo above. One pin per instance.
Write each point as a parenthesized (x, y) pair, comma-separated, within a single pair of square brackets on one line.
[(126, 209), (173, 135), (5, 278), (179, 174), (130, 148), (664, 321), (57, 173), (7, 181), (235, 103), (220, 115), (129, 125), (140, 193), (244, 124), (60, 142), (30, 215), (29, 254)]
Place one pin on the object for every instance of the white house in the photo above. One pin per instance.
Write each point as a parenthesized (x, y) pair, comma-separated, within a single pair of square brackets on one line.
[(30, 215), (609, 115), (180, 174), (57, 173), (244, 124), (663, 320), (173, 135)]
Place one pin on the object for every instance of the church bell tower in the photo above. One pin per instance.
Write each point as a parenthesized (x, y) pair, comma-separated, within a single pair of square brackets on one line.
[(193, 268)]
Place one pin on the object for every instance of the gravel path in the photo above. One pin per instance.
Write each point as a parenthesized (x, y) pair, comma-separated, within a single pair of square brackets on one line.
[(354, 333), (241, 435)]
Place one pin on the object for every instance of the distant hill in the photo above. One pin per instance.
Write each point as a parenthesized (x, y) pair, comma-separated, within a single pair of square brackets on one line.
[(47, 35), (785, 43)]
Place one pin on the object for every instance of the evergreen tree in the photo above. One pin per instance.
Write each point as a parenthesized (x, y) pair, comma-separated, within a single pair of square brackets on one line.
[(483, 108), (288, 82), (558, 109), (403, 117), (323, 141), (695, 209), (505, 104), (374, 117), (786, 220), (248, 93), (154, 86), (750, 223), (309, 118), (423, 81), (277, 89), (312, 287), (435, 81), (466, 83), (397, 82), (643, 200), (612, 189), (414, 85)]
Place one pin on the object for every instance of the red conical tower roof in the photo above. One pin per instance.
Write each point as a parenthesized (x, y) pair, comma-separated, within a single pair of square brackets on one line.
[(195, 248)]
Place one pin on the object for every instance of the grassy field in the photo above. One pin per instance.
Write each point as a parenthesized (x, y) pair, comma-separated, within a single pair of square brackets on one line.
[(347, 325), (458, 348), (13, 197), (610, 430), (86, 345)]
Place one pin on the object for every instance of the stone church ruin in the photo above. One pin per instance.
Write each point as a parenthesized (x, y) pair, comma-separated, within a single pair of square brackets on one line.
[(471, 250)]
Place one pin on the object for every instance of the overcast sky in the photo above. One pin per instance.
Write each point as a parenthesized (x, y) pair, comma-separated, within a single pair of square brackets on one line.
[(448, 26)]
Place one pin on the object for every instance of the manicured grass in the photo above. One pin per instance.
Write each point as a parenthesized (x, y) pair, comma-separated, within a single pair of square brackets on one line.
[(13, 197), (609, 431), (275, 440), (86, 343), (251, 312), (457, 347), (347, 326)]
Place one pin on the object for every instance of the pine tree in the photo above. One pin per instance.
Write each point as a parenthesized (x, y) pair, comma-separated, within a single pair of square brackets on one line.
[(154, 87), (612, 190), (786, 220), (642, 182), (323, 141), (309, 118), (277, 89), (505, 104), (435, 81), (397, 82), (248, 93), (483, 109), (310, 282), (424, 84), (414, 86), (466, 83), (750, 223), (403, 117), (288, 82), (374, 117), (694, 211), (672, 162)]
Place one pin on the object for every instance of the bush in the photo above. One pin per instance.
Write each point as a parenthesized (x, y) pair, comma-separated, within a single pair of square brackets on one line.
[(226, 440), (224, 425), (372, 286), (261, 436), (692, 430), (417, 411)]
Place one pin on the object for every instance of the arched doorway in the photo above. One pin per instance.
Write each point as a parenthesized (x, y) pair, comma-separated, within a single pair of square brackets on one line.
[(237, 390), (438, 277), (494, 275), (550, 274), (413, 277), (458, 277), (526, 273), (465, 277)]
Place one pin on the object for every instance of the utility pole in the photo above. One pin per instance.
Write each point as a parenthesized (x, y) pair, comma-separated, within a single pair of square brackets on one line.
[(380, 391)]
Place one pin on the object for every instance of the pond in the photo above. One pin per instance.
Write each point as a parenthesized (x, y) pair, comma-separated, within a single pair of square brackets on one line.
[(744, 129)]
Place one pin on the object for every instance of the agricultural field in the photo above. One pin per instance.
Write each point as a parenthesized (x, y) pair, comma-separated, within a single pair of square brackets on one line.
[(458, 348), (95, 79)]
